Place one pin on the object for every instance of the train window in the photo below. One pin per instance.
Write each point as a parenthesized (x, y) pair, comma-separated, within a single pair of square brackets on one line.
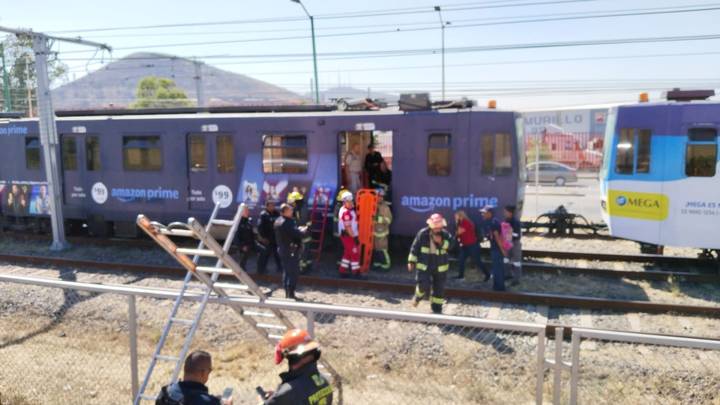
[(701, 153), (92, 153), (625, 155), (439, 155), (644, 137), (32, 153), (197, 156), (487, 152), (142, 153), (503, 154), (285, 154), (69, 153), (225, 154)]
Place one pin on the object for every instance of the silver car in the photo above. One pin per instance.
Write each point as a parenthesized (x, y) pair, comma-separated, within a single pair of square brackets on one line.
[(552, 172)]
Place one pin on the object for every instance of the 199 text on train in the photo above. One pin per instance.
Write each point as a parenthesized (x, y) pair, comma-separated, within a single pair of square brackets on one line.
[(175, 166)]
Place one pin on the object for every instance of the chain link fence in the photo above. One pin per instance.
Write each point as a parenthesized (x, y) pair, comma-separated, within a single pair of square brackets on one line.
[(73, 346), (616, 370)]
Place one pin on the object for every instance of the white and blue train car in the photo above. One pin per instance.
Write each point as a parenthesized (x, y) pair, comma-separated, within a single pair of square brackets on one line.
[(660, 179)]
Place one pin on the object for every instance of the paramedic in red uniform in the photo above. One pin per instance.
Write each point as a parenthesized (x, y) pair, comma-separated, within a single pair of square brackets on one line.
[(348, 229)]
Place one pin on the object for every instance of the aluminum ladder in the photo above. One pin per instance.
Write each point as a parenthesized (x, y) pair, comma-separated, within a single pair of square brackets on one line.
[(318, 222), (180, 229), (271, 324)]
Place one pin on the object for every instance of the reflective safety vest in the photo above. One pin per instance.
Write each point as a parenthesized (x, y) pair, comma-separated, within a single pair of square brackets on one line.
[(381, 229), (421, 254), (294, 196)]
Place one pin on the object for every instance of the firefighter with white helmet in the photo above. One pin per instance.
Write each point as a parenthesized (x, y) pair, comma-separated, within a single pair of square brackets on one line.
[(302, 384), (429, 256), (381, 233), (348, 230)]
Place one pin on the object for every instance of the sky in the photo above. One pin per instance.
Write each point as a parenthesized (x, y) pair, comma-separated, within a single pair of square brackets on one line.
[(352, 35)]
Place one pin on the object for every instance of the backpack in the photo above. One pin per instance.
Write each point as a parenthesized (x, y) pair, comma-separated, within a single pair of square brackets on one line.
[(506, 235), (165, 399)]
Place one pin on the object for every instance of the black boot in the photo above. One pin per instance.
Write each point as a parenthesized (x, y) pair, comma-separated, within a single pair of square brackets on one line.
[(436, 308)]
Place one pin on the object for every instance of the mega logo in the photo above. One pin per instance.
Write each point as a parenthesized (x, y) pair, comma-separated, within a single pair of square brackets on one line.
[(645, 206)]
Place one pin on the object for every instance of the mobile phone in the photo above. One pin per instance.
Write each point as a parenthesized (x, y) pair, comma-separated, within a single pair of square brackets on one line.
[(227, 393), (260, 391)]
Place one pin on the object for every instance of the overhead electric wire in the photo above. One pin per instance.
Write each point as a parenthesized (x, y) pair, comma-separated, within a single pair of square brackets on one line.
[(371, 13), (465, 49), (612, 14), (498, 20)]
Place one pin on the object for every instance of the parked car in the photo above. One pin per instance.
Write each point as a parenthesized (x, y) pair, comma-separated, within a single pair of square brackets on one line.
[(552, 172)]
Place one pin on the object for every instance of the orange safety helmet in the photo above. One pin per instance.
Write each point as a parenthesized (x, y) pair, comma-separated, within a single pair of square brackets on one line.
[(296, 342)]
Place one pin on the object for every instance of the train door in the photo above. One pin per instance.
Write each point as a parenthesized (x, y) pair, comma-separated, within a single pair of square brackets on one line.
[(211, 170), (358, 141), (72, 152)]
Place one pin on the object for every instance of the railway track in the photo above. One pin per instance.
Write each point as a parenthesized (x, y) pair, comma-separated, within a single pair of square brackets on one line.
[(550, 300), (675, 261)]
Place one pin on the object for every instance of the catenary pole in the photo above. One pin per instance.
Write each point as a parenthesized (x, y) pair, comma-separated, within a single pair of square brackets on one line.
[(315, 68), (7, 100), (48, 128), (442, 37), (199, 88)]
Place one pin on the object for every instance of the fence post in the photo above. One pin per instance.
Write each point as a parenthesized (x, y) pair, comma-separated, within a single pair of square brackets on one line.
[(557, 381), (310, 323), (574, 367), (132, 329), (540, 377)]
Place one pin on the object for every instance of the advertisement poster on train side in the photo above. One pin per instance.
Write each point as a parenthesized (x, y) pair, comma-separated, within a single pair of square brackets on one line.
[(25, 198)]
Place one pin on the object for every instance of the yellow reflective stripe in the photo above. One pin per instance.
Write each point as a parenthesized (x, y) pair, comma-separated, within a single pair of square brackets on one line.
[(437, 300), (321, 395), (381, 234), (444, 267), (419, 293), (425, 250), (445, 245), (421, 266), (412, 258)]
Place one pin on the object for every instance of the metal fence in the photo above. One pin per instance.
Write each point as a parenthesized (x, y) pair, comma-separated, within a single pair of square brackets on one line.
[(68, 342)]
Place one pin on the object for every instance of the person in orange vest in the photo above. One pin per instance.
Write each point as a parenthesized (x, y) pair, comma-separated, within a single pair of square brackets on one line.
[(348, 230)]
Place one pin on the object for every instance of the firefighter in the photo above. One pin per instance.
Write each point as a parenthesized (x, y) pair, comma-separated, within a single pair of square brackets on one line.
[(429, 256), (348, 230), (297, 200), (302, 384), (381, 232), (306, 258)]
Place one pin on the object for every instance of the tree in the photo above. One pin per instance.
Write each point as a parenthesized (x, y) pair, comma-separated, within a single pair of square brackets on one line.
[(159, 92), (20, 65)]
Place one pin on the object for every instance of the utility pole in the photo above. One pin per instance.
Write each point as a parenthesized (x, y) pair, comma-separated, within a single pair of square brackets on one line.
[(48, 129), (7, 100), (199, 88), (442, 35), (315, 68), (28, 86)]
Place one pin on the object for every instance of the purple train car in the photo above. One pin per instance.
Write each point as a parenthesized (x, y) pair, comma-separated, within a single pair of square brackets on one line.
[(172, 166)]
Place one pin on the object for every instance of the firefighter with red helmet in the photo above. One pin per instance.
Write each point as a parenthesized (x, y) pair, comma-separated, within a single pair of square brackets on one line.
[(348, 229), (302, 384), (429, 258)]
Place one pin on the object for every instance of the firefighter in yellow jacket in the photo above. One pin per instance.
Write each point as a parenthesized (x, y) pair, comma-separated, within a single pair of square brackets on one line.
[(381, 233)]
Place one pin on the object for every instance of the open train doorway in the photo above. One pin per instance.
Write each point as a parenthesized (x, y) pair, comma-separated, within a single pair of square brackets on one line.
[(358, 167)]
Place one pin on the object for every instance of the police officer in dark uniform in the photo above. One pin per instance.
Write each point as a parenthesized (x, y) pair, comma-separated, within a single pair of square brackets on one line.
[(289, 240), (191, 390), (245, 236), (266, 238), (302, 384)]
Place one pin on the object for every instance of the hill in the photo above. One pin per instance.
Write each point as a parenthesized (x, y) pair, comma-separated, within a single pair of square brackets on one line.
[(114, 84)]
